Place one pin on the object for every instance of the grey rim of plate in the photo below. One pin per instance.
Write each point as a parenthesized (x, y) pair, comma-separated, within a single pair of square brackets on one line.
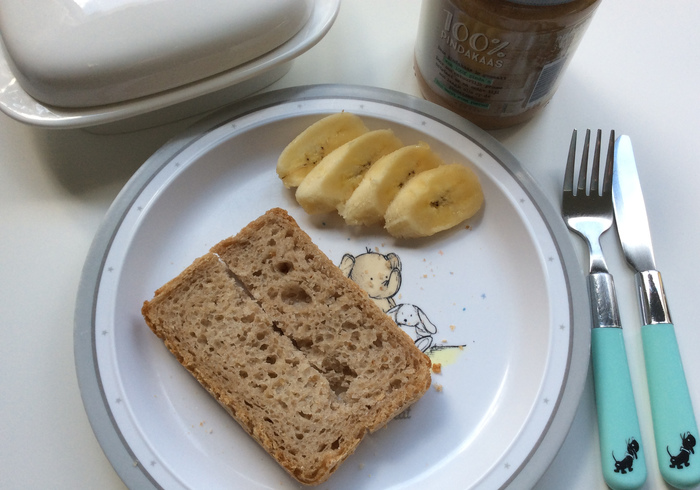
[(103, 424)]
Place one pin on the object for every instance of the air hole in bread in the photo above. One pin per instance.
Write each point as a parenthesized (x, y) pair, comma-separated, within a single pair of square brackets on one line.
[(302, 344), (307, 416), (338, 374), (293, 294), (284, 267), (333, 297), (378, 342), (336, 443), (396, 383), (271, 359)]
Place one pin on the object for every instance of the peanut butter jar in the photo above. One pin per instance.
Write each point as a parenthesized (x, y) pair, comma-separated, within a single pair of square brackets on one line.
[(497, 62)]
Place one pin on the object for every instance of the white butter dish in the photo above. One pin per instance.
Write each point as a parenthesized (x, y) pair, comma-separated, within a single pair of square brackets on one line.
[(82, 63), (83, 53)]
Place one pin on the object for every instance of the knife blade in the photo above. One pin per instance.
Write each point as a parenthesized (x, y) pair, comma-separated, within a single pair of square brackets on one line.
[(675, 428)]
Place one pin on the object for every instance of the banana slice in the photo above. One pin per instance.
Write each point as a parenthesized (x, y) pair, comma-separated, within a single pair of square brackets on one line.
[(315, 142), (433, 201), (330, 183), (368, 204)]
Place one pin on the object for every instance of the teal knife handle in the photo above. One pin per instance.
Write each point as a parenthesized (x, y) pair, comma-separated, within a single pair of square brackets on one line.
[(675, 429), (621, 450)]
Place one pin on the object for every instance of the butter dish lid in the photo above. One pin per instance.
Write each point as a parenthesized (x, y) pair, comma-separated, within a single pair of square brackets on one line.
[(84, 53)]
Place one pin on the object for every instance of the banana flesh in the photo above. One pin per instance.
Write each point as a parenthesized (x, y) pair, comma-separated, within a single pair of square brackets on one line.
[(315, 142), (371, 178), (331, 182), (433, 201), (368, 204)]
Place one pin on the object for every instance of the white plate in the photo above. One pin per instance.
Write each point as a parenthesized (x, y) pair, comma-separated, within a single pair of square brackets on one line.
[(194, 98), (507, 288)]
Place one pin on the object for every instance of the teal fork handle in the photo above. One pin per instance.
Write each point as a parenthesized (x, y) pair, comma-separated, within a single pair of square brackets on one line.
[(621, 450), (675, 429)]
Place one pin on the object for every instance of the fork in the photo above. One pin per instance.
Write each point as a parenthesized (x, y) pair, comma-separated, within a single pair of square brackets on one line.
[(589, 213)]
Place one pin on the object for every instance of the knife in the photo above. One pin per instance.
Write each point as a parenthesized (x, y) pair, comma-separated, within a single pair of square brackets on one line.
[(675, 428)]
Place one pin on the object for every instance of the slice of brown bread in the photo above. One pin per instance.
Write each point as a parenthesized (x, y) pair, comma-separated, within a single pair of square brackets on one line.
[(296, 352)]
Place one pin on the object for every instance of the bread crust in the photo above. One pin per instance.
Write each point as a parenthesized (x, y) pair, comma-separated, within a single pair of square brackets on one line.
[(296, 352)]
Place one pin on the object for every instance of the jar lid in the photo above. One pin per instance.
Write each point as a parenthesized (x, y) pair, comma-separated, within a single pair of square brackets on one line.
[(84, 53)]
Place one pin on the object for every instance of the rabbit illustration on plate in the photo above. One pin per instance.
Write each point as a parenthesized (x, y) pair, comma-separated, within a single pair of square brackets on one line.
[(416, 323)]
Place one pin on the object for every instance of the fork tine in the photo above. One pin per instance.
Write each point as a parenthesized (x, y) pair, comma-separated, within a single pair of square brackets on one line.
[(583, 171), (570, 162), (594, 188), (607, 178)]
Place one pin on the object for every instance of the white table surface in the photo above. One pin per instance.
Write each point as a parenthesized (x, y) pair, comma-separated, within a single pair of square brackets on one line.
[(636, 71)]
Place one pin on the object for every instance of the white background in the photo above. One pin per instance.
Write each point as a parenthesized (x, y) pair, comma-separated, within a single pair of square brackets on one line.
[(636, 71)]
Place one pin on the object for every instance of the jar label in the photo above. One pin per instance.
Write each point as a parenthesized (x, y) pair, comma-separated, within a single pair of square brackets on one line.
[(488, 70)]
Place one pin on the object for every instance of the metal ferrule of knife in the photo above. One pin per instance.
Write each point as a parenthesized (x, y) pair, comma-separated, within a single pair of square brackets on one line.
[(652, 299)]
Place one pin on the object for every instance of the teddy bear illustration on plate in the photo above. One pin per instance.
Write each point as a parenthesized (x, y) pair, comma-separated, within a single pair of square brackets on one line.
[(380, 276)]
